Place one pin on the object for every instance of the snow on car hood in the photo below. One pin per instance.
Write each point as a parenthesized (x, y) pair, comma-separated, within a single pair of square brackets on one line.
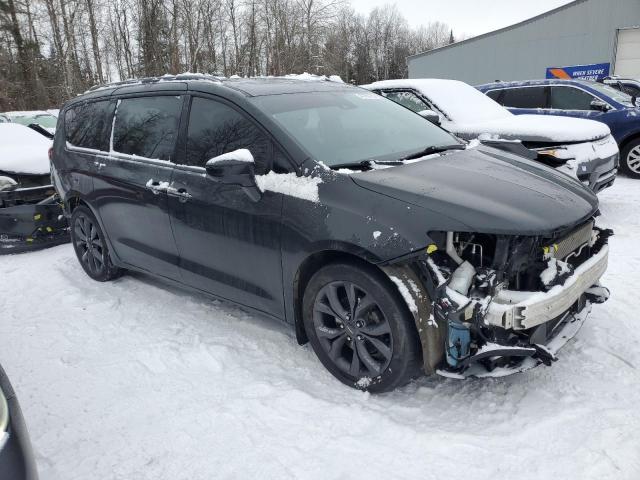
[(23, 150), (533, 128), (470, 113)]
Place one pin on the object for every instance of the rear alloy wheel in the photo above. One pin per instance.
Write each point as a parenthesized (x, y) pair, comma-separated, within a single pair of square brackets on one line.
[(90, 247), (631, 159), (360, 328)]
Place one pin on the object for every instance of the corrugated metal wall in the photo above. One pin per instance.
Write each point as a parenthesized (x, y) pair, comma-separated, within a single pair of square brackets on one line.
[(583, 32)]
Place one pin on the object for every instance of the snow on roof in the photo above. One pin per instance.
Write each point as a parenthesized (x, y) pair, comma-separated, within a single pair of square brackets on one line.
[(22, 150), (471, 113)]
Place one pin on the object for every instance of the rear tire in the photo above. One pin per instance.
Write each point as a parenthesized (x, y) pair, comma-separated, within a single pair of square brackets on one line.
[(630, 158), (90, 246), (360, 328)]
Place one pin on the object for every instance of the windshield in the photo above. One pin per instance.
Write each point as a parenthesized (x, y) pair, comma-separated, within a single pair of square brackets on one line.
[(352, 126), (45, 120), (614, 93)]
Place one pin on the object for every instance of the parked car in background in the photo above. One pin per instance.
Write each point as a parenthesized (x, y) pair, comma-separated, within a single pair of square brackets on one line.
[(583, 149), (386, 242), (16, 455), (30, 214), (38, 117), (4, 118), (630, 86), (580, 99)]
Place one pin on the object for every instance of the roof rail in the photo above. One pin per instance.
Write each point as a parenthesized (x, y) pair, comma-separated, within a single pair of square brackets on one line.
[(164, 78)]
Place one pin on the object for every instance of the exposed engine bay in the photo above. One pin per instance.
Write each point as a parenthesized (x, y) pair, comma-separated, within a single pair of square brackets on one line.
[(503, 303)]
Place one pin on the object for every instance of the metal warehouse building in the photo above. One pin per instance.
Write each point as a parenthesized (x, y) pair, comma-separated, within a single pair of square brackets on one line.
[(583, 39)]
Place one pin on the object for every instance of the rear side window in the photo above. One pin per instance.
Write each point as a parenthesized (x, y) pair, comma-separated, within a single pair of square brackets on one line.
[(88, 125), (216, 128), (495, 95), (147, 126), (569, 98), (407, 99), (526, 97), (632, 90)]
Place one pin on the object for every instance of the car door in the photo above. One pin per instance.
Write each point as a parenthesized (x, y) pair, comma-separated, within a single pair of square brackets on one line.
[(130, 186), (572, 101), (229, 244)]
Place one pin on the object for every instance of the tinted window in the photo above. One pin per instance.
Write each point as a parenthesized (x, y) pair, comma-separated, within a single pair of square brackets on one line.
[(215, 128), (569, 98), (147, 126), (407, 99), (526, 97), (495, 95), (88, 125), (632, 90)]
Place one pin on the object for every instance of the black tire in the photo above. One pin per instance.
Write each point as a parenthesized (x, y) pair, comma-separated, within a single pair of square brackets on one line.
[(630, 158), (374, 324), (90, 246)]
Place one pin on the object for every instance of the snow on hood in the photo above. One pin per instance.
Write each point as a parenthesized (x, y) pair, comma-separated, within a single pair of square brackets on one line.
[(534, 128), (23, 150), (470, 113)]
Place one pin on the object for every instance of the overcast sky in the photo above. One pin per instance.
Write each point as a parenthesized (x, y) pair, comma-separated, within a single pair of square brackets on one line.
[(471, 17)]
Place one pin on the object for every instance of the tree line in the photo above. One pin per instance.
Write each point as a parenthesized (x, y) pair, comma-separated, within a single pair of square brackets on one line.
[(51, 50)]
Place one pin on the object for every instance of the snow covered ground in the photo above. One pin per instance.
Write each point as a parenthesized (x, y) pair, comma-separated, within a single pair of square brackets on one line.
[(138, 380)]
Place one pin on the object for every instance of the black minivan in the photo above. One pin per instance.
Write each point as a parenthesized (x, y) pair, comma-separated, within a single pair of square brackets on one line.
[(391, 246)]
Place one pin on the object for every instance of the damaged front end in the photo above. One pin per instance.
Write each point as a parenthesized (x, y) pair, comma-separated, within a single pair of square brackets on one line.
[(31, 216), (493, 305)]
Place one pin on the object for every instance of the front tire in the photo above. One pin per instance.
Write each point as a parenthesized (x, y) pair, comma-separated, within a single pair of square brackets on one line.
[(630, 161), (90, 246), (360, 328)]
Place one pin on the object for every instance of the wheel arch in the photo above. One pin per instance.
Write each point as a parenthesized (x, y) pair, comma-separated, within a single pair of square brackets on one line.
[(628, 139)]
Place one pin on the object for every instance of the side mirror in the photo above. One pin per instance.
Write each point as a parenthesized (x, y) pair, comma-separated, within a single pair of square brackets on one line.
[(235, 168), (599, 105), (430, 115)]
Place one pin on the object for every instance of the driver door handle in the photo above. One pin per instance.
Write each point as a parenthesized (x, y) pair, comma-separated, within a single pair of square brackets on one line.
[(156, 186)]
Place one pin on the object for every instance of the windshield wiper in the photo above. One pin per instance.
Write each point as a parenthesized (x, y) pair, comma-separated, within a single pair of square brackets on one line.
[(366, 164), (433, 149)]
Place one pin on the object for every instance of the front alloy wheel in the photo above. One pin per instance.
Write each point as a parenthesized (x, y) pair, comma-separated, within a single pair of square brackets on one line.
[(352, 329), (360, 327)]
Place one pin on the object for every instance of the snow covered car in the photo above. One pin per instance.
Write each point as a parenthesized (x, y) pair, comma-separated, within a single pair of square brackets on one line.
[(16, 456), (38, 117), (391, 246), (30, 215), (581, 148)]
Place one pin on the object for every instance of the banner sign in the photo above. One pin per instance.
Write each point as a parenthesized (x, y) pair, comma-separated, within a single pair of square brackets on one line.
[(596, 71)]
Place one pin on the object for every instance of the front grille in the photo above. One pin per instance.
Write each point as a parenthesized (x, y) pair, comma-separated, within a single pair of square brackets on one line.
[(575, 240)]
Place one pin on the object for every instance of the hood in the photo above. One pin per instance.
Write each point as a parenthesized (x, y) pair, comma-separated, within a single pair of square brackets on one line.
[(533, 128), (23, 150), (488, 190)]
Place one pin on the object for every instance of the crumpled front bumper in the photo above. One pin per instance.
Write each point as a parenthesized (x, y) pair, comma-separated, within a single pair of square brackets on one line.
[(523, 310), (563, 332), (32, 220)]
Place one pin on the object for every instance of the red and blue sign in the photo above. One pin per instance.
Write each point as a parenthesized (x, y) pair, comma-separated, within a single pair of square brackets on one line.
[(596, 71)]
